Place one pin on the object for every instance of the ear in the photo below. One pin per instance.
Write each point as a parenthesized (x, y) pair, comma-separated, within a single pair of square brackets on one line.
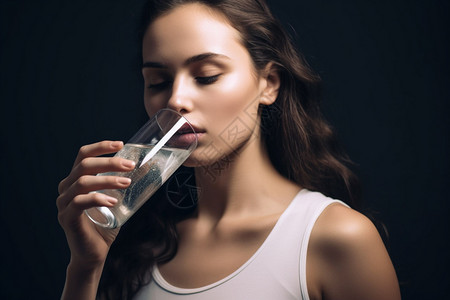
[(271, 77)]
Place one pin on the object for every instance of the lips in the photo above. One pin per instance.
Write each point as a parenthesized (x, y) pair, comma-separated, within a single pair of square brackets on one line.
[(186, 128), (185, 136)]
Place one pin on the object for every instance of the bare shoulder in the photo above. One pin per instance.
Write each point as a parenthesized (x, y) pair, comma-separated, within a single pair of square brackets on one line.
[(348, 257), (343, 228)]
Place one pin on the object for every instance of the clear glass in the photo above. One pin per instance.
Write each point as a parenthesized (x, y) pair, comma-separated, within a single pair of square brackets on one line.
[(159, 148)]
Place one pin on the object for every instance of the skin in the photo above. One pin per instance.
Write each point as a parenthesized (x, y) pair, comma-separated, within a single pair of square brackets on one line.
[(89, 244), (195, 63), (195, 70), (173, 40)]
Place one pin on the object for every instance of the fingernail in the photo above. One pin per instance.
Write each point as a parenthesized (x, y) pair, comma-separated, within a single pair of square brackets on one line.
[(116, 144), (124, 180), (128, 163), (111, 200)]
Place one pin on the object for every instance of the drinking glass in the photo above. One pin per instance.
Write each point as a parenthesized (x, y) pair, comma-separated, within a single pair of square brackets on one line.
[(159, 148)]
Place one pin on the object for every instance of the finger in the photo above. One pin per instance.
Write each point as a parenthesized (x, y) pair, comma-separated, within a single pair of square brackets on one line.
[(88, 183), (95, 165), (81, 202), (96, 149)]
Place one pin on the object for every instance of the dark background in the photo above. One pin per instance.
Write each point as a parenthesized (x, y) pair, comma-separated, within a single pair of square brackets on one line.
[(69, 76)]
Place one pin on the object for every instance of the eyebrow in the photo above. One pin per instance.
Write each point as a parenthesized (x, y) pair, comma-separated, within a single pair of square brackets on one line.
[(190, 60)]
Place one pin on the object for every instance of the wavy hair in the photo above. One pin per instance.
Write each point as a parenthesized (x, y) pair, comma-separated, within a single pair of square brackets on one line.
[(300, 144)]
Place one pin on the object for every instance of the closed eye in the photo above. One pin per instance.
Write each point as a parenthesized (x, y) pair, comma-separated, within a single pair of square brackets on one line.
[(159, 86), (205, 80)]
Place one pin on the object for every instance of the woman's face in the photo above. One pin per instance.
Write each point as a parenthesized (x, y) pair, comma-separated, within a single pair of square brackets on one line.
[(194, 63)]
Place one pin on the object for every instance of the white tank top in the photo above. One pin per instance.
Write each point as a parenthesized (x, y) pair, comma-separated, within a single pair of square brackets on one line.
[(277, 270)]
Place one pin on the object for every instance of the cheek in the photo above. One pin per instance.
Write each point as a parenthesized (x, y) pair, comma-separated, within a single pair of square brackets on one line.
[(234, 97), (231, 112), (153, 104)]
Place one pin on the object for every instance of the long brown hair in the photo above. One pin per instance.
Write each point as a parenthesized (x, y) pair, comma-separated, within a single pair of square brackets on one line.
[(301, 145)]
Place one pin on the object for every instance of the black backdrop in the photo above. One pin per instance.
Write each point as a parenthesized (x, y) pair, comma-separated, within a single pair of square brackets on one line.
[(69, 76)]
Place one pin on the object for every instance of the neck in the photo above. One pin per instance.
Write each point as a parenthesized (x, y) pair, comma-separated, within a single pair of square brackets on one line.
[(242, 185)]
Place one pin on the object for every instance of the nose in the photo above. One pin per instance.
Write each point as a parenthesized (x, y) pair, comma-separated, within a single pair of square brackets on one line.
[(181, 97)]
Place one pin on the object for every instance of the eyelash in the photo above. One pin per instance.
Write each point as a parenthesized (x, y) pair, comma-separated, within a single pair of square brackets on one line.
[(203, 80), (159, 86), (207, 79)]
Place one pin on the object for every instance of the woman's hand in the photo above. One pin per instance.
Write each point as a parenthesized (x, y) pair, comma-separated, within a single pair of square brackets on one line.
[(89, 244)]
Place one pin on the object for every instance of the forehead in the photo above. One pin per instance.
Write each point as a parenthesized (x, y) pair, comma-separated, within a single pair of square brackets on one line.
[(189, 30)]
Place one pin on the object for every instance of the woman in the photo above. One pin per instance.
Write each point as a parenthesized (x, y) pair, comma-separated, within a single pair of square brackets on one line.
[(258, 230)]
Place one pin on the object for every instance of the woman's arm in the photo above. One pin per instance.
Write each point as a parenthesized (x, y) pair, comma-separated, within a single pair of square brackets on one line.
[(81, 283), (89, 244), (348, 259)]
